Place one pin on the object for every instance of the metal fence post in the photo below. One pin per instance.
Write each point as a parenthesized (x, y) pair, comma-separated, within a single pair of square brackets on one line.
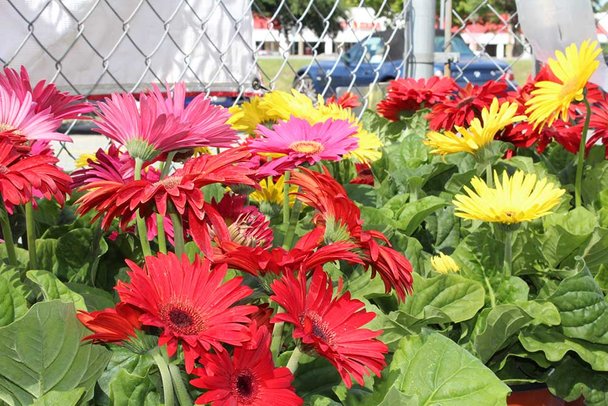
[(447, 35), (424, 33)]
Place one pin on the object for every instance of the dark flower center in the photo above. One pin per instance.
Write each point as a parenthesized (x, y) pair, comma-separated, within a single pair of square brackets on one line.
[(315, 325), (245, 387), (307, 147), (182, 318)]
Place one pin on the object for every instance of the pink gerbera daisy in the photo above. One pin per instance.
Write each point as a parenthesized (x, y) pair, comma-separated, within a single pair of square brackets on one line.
[(332, 326), (207, 122), (294, 142), (61, 105), (146, 132), (189, 302), (20, 117)]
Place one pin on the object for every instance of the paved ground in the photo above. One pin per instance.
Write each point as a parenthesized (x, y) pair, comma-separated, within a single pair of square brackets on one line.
[(83, 144)]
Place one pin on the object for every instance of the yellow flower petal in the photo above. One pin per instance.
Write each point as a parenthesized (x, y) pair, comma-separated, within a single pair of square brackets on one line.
[(444, 264)]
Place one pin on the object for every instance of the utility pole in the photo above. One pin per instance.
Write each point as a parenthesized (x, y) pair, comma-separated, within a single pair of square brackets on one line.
[(424, 38)]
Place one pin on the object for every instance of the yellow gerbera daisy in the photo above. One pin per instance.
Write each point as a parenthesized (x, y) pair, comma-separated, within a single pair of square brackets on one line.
[(83, 160), (516, 199), (281, 105), (444, 264), (574, 69), (480, 132), (246, 116), (272, 192), (369, 146)]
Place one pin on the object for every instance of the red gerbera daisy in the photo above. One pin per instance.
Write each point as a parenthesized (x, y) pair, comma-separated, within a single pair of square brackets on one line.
[(246, 224), (467, 104), (364, 176), (189, 302), (410, 95), (347, 101), (113, 325), (599, 123), (248, 378), (61, 105), (21, 174), (331, 326), (295, 142), (339, 219)]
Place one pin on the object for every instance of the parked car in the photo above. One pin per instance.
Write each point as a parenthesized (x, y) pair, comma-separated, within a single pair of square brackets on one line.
[(358, 70)]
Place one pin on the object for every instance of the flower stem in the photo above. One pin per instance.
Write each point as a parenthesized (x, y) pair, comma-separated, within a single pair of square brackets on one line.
[(292, 364), (293, 223), (286, 201), (277, 336), (489, 178), (162, 238), (142, 232), (165, 376), (183, 397), (490, 291), (178, 234), (7, 234), (30, 227), (167, 164), (580, 158), (508, 252)]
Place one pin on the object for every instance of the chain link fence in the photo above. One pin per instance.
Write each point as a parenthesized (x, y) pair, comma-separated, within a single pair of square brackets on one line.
[(231, 49)]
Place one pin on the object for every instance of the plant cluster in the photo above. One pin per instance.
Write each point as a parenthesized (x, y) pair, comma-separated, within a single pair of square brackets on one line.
[(285, 252)]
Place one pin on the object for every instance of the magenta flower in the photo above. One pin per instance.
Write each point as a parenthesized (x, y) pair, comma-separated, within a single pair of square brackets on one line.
[(295, 142), (61, 105), (207, 122), (20, 117), (146, 132)]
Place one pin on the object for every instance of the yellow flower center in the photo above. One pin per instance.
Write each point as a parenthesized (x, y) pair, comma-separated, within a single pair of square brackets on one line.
[(5, 127), (307, 147)]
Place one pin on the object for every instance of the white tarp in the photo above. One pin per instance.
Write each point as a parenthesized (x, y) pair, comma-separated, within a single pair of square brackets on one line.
[(99, 44), (551, 25)]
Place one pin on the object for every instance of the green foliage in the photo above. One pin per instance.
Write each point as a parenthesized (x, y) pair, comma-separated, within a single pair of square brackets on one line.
[(435, 370), (41, 353), (13, 303)]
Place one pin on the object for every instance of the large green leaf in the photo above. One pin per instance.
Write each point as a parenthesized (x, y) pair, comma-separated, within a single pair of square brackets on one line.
[(53, 288), (13, 303), (315, 376), (495, 327), (94, 298), (41, 352), (555, 345), (442, 299), (440, 372), (414, 213), (582, 307), (480, 254), (383, 393), (573, 379), (75, 254), (566, 233), (54, 398)]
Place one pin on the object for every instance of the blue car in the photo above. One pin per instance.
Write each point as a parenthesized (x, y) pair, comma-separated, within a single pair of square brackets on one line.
[(355, 69)]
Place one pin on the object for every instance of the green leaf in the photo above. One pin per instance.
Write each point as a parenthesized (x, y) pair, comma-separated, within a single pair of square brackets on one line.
[(315, 376), (573, 379), (384, 392), (555, 345), (122, 359), (565, 233), (54, 398), (439, 372), (132, 389), (23, 257), (94, 298), (41, 352), (377, 219), (74, 252), (480, 254), (495, 327), (45, 250), (582, 307), (414, 213), (13, 303), (542, 312), (53, 288), (442, 299)]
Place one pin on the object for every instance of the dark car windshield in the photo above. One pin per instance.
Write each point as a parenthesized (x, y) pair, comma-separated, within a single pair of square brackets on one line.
[(458, 45)]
